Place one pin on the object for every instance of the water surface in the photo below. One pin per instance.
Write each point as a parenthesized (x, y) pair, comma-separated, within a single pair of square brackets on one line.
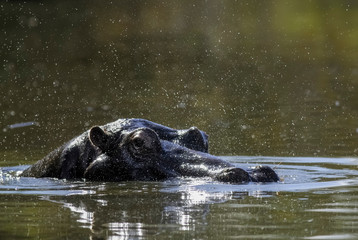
[(316, 199), (262, 78)]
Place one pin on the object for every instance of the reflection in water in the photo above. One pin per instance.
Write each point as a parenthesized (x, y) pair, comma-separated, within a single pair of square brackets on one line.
[(126, 231), (86, 218), (10, 182), (188, 208), (261, 77), (195, 206), (190, 198), (335, 236)]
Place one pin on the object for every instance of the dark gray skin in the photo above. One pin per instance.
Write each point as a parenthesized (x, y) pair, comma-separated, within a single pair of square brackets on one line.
[(137, 149), (71, 159)]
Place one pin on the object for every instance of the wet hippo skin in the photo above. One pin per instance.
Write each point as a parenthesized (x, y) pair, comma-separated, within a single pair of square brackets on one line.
[(141, 150)]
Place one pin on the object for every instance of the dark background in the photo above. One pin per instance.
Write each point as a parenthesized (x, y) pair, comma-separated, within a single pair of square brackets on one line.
[(260, 77)]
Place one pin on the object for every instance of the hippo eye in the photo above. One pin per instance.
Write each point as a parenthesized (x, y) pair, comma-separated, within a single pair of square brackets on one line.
[(138, 142), (144, 141)]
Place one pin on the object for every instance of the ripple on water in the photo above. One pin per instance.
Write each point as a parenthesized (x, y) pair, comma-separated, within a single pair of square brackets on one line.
[(297, 174), (315, 193), (11, 183)]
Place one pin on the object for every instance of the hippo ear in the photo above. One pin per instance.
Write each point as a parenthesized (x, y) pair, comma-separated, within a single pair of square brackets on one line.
[(99, 138)]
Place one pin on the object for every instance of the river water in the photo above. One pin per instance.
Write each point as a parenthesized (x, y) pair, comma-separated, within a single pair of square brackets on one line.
[(262, 78), (316, 199)]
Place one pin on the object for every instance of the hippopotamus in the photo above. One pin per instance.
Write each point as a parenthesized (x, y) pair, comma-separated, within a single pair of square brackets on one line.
[(141, 150)]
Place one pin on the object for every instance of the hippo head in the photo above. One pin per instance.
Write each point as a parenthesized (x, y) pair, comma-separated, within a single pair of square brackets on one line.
[(138, 149), (140, 154), (136, 155)]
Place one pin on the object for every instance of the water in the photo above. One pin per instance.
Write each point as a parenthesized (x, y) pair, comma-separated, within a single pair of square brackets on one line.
[(262, 78), (315, 200)]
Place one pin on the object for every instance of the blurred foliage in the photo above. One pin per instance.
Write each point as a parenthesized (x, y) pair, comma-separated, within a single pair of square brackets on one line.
[(261, 77)]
